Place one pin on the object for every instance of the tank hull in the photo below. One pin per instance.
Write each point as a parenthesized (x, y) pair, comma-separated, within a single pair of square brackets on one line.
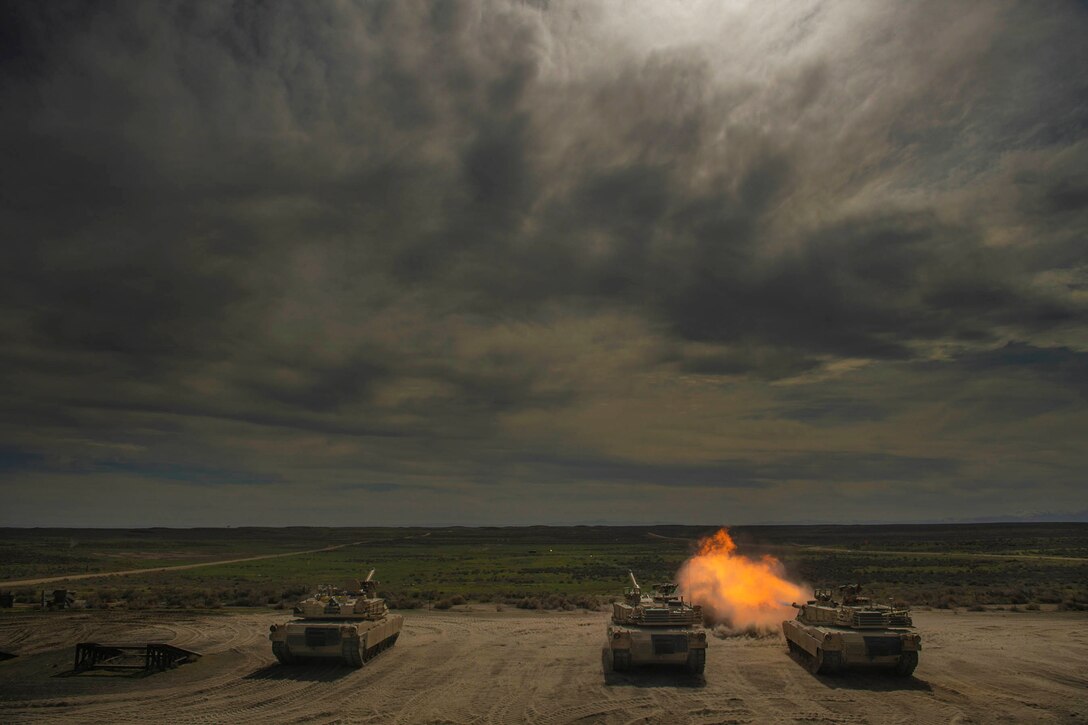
[(631, 645), (351, 642), (829, 650)]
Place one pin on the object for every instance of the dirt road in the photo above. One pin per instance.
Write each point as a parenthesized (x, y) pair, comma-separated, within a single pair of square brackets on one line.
[(521, 667), (157, 569), (179, 567)]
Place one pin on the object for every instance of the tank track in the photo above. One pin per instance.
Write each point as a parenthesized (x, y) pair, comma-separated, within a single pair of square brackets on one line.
[(283, 654), (696, 664), (824, 663), (830, 663), (354, 656), (696, 661), (621, 660), (907, 662)]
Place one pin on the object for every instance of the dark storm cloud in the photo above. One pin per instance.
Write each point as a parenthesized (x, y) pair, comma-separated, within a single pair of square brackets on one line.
[(1066, 368), (423, 240), (371, 487), (189, 474), (17, 461), (814, 466), (832, 410), (763, 361)]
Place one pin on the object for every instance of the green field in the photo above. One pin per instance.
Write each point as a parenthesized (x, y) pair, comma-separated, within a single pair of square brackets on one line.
[(546, 567)]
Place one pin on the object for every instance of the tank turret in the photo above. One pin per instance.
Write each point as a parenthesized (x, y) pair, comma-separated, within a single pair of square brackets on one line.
[(659, 628), (351, 626), (830, 635)]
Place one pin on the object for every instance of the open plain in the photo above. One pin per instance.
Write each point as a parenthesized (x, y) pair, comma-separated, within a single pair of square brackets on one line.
[(478, 665)]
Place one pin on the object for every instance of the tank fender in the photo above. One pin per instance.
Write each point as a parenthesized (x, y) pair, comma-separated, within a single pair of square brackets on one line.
[(800, 637), (911, 642), (277, 633), (370, 636), (833, 643), (619, 638), (376, 633)]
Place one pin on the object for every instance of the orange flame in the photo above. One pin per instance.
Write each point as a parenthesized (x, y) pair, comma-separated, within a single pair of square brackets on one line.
[(742, 593)]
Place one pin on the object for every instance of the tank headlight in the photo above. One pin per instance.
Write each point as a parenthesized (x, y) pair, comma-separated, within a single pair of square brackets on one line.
[(272, 628), (615, 635), (702, 635)]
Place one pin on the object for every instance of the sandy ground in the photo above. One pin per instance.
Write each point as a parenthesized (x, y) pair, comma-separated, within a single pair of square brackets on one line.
[(523, 667)]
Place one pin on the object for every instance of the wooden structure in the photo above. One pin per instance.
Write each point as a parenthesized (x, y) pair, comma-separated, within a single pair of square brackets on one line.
[(151, 657)]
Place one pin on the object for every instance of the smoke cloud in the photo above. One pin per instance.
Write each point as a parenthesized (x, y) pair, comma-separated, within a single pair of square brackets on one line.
[(740, 594)]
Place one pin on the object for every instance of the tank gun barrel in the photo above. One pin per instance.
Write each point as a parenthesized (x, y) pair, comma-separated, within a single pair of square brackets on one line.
[(368, 586), (634, 582)]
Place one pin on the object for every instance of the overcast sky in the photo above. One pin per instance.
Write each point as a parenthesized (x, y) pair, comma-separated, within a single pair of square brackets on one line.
[(508, 263)]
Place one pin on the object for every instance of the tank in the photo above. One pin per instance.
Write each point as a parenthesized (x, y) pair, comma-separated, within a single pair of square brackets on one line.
[(350, 627), (830, 636), (657, 629)]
